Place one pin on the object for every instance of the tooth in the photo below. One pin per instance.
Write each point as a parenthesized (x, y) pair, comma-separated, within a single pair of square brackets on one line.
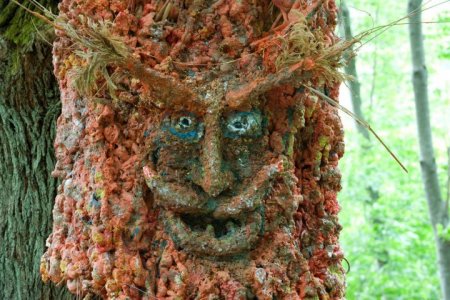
[(231, 227), (210, 230)]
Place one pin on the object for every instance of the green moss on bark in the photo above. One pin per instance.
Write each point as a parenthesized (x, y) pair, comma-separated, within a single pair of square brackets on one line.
[(19, 26)]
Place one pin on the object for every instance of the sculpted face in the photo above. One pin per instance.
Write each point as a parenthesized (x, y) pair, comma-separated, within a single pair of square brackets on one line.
[(198, 166), (210, 172)]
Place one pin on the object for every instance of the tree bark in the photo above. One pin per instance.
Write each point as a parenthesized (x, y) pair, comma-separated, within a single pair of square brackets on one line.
[(350, 69), (29, 105), (437, 207), (208, 169)]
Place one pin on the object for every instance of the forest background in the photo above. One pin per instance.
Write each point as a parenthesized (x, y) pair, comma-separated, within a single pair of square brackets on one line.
[(387, 236)]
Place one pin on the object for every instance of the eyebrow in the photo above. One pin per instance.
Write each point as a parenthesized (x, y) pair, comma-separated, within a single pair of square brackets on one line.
[(169, 92), (162, 89), (235, 98)]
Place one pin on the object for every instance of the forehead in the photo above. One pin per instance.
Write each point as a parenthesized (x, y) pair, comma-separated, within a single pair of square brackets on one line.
[(214, 97)]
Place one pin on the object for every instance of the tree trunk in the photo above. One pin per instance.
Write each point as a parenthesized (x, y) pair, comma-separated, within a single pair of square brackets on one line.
[(381, 254), (29, 105), (196, 157), (350, 69), (438, 208)]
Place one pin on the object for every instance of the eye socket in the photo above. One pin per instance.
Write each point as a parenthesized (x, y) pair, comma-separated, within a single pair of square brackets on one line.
[(184, 126), (184, 123), (239, 124), (243, 124)]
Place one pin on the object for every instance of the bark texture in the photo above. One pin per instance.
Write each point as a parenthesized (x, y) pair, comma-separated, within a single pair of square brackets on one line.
[(207, 167), (29, 105), (438, 208)]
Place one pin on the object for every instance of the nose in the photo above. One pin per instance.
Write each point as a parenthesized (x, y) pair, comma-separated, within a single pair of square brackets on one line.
[(215, 176)]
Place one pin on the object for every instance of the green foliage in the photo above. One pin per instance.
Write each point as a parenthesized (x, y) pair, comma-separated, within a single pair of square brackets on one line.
[(443, 233), (444, 18), (387, 236)]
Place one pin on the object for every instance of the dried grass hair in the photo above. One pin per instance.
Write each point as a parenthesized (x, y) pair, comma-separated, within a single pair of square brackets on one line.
[(301, 43), (100, 48), (96, 47)]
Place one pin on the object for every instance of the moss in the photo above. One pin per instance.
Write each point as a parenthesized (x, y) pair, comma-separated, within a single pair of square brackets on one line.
[(7, 13), (20, 27), (16, 62), (290, 145), (318, 157), (337, 272), (98, 177), (323, 141), (63, 266), (100, 193), (309, 111)]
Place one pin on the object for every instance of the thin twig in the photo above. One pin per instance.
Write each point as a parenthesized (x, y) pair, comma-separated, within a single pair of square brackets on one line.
[(40, 34), (374, 67), (348, 265), (363, 123), (383, 28), (38, 15)]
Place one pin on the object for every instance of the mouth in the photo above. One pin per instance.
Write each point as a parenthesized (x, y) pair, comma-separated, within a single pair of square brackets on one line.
[(214, 227), (208, 236)]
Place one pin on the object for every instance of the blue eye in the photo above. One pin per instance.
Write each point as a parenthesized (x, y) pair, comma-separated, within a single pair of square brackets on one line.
[(185, 126), (243, 124)]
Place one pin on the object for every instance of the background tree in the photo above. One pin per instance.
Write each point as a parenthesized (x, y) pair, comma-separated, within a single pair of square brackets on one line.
[(366, 143), (437, 206), (410, 270), (29, 106), (351, 70)]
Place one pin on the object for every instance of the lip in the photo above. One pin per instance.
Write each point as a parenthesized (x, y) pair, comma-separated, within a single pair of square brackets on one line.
[(217, 226), (208, 241)]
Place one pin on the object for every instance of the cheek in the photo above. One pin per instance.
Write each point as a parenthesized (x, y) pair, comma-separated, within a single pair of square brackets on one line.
[(177, 160), (246, 157)]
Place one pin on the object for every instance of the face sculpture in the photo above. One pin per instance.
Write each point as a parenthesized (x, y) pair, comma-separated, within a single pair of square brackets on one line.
[(211, 171), (210, 174)]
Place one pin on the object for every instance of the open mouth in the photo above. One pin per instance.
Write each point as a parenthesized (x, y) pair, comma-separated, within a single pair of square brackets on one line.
[(221, 226), (207, 236), (214, 227)]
